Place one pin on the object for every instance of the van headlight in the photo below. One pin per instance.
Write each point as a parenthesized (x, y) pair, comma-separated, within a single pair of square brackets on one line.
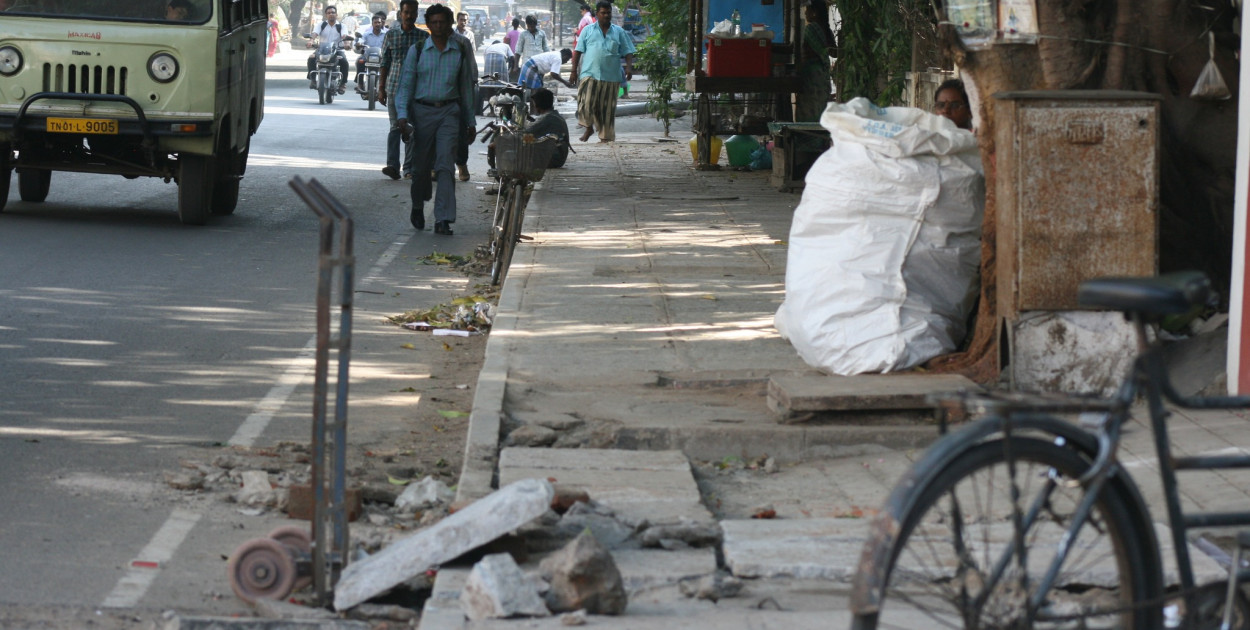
[(10, 61), (162, 67)]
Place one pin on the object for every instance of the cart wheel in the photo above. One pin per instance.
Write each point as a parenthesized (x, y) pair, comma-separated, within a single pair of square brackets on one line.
[(261, 568), (300, 540)]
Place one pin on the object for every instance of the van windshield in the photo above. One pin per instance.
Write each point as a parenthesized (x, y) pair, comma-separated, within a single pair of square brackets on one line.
[(161, 11)]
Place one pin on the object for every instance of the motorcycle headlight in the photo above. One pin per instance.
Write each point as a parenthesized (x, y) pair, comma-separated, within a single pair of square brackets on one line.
[(10, 61), (162, 67), (325, 58), (372, 58)]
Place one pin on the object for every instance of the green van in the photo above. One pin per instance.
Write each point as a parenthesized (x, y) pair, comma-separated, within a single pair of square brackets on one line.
[(153, 88)]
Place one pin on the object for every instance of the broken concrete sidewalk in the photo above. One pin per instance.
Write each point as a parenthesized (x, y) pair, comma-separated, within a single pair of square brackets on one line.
[(479, 523)]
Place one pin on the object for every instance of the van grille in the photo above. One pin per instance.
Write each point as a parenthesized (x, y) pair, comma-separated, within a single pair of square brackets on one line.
[(84, 79)]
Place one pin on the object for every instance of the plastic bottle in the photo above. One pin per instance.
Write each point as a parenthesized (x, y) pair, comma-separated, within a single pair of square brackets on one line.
[(736, 18)]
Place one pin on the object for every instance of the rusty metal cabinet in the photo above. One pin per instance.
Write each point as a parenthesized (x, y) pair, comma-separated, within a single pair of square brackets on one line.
[(1077, 193)]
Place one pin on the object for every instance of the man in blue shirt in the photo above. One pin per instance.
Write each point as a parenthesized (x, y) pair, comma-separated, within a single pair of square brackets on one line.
[(436, 92), (598, 70)]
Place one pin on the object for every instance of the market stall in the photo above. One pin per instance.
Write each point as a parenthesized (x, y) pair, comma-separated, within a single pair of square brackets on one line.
[(741, 83)]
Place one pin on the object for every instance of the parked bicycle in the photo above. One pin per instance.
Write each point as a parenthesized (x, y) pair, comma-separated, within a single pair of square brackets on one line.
[(520, 160), (1025, 520)]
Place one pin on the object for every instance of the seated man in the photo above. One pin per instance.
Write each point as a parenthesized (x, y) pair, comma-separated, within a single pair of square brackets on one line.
[(547, 121)]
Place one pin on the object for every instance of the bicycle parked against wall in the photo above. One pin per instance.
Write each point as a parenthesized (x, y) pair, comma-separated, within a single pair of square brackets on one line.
[(1025, 520), (520, 160)]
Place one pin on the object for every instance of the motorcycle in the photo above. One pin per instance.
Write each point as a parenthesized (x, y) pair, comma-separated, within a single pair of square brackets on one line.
[(368, 90), (328, 75)]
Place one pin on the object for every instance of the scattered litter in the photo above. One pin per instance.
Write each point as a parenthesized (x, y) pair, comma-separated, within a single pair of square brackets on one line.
[(451, 413), (474, 313), (448, 332), (462, 386)]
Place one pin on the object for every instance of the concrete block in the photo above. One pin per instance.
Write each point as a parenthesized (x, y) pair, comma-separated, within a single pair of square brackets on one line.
[(481, 522), (791, 394), (496, 589), (819, 548), (300, 502), (234, 623)]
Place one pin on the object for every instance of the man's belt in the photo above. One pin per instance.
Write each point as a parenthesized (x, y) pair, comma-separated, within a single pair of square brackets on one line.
[(450, 101)]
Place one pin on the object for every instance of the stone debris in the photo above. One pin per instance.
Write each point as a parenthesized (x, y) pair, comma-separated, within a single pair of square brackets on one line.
[(257, 491), (426, 493), (496, 589), (575, 618), (554, 531), (566, 497), (388, 612), (274, 609), (693, 533), (713, 587), (583, 575), (185, 480), (482, 521), (551, 420), (531, 435)]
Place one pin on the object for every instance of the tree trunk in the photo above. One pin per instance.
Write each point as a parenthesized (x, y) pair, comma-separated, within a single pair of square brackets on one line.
[(1114, 44)]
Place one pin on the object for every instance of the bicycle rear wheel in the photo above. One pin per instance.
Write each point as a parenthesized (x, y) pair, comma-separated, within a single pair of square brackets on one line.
[(511, 232), (952, 562)]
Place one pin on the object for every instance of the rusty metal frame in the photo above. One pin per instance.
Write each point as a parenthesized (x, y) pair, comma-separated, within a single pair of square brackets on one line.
[(329, 438)]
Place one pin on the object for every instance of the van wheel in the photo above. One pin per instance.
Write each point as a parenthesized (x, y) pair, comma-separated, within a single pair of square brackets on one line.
[(34, 184), (6, 173), (229, 176), (195, 188)]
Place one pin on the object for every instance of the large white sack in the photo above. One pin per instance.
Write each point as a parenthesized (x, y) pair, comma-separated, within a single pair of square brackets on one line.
[(885, 246)]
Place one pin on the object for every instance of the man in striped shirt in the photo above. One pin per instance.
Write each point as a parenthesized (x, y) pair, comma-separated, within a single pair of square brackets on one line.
[(436, 93), (394, 47)]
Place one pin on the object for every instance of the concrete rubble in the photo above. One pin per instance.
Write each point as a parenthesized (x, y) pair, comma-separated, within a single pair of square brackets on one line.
[(583, 576), (475, 525), (423, 494), (496, 588)]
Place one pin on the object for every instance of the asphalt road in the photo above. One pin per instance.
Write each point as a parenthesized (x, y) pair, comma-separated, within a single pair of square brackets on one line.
[(129, 340)]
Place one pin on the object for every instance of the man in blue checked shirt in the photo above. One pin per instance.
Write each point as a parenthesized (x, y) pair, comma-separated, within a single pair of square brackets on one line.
[(394, 47), (436, 92)]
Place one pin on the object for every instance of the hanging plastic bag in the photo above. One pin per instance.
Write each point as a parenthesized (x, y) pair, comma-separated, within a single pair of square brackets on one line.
[(1210, 85)]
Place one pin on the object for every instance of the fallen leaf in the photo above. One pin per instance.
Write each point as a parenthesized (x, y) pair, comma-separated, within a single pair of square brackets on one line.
[(768, 513), (397, 481), (709, 296), (446, 347), (451, 413), (409, 390), (409, 346)]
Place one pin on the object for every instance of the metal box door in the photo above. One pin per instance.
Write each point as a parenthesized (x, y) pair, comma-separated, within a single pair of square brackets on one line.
[(1077, 193)]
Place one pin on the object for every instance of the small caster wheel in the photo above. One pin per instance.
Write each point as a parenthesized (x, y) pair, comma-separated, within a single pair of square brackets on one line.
[(262, 569), (300, 540)]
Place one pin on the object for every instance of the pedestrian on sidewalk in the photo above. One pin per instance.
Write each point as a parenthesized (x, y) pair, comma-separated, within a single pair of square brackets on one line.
[(466, 138), (588, 18), (531, 41), (598, 71), (436, 93), (394, 47)]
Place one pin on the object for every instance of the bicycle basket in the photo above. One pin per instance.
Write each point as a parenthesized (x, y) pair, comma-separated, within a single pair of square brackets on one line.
[(522, 156)]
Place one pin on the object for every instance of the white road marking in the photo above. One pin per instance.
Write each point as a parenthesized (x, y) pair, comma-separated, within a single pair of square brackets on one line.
[(135, 583)]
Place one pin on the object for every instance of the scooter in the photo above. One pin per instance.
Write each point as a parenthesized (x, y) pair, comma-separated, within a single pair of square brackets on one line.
[(368, 90), (328, 76)]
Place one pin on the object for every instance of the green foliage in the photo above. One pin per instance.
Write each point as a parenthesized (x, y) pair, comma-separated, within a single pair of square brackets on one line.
[(876, 38), (654, 59), (668, 19)]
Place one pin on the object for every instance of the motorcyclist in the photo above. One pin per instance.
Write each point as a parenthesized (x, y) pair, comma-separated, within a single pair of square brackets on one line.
[(330, 30), (371, 38)]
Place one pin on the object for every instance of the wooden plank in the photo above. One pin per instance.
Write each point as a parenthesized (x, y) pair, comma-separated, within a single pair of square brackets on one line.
[(790, 394)]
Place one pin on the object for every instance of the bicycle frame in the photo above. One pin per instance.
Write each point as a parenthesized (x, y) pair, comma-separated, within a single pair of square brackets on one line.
[(1149, 378)]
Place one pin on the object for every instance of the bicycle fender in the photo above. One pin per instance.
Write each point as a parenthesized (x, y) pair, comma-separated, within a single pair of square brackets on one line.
[(870, 577)]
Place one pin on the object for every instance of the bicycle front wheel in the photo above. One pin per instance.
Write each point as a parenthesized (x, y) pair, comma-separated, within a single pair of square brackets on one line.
[(956, 561), (509, 231)]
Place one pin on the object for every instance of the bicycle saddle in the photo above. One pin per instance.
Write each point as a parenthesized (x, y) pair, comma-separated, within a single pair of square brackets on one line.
[(1168, 294)]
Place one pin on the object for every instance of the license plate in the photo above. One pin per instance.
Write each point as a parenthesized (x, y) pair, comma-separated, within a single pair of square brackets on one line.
[(82, 125)]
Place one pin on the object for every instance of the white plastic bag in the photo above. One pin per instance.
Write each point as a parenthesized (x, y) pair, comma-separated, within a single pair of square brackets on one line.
[(885, 246), (1210, 85)]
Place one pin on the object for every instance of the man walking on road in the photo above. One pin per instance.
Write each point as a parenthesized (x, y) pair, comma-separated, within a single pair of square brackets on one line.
[(394, 47), (436, 92), (598, 73), (531, 41)]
